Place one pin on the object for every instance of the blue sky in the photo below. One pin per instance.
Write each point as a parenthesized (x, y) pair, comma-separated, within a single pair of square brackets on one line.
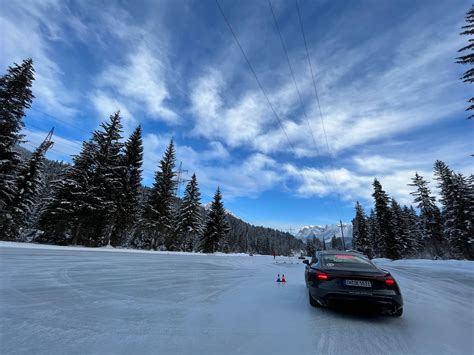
[(385, 71)]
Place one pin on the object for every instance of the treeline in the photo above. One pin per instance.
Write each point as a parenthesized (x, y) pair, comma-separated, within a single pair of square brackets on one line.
[(395, 232), (98, 200), (262, 240)]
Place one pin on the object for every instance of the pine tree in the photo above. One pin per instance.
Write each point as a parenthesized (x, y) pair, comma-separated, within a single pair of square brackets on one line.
[(400, 229), (336, 243), (27, 186), (374, 235), (468, 59), (66, 213), (470, 202), (444, 177), (108, 177), (430, 216), (128, 209), (383, 214), (15, 98), (318, 245), (217, 226), (415, 237), (50, 172), (106, 184), (86, 199), (360, 232), (460, 218), (310, 247), (159, 210), (458, 210), (189, 225)]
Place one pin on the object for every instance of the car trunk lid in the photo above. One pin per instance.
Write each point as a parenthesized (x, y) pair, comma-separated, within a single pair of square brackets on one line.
[(348, 277)]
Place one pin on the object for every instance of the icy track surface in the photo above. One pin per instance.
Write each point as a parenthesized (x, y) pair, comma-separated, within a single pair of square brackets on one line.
[(77, 301)]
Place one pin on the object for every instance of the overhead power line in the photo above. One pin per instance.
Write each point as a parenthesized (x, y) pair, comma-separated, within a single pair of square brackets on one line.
[(317, 99), (61, 121), (280, 123), (302, 172), (65, 142), (297, 89)]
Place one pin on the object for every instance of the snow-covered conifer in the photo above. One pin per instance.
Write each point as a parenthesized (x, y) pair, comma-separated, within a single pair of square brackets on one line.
[(468, 51), (459, 217), (310, 247), (15, 98), (189, 226), (105, 185), (336, 243), (383, 216), (374, 234), (415, 237), (128, 201), (430, 216), (86, 198), (159, 209), (65, 216), (400, 228), (27, 185), (360, 232), (217, 226)]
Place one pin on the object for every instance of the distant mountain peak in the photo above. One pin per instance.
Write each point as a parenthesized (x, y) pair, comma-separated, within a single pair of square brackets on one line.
[(326, 232)]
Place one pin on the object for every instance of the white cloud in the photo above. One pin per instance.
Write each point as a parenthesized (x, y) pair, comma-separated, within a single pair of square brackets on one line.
[(107, 105), (28, 32), (141, 83), (384, 101), (213, 167), (249, 178), (247, 121), (216, 152), (236, 124), (377, 163), (326, 182), (353, 185), (363, 100)]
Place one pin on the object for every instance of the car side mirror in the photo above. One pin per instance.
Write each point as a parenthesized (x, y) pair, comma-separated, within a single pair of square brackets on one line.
[(306, 262)]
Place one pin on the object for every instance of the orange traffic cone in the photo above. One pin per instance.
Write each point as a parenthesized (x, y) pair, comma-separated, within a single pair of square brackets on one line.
[(283, 278)]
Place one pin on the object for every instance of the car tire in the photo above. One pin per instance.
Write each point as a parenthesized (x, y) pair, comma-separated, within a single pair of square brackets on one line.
[(312, 301), (397, 313)]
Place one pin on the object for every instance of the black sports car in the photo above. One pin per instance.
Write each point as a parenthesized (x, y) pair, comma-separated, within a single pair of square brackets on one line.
[(333, 276)]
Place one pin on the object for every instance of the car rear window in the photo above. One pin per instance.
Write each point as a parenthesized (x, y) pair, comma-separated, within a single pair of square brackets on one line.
[(344, 260)]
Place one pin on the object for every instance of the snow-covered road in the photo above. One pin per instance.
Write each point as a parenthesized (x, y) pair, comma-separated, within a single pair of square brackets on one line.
[(67, 301)]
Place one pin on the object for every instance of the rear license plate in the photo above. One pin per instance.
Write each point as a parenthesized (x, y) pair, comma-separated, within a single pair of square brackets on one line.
[(358, 283)]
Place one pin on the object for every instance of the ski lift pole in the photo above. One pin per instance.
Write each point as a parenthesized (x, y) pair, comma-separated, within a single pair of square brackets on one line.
[(342, 233)]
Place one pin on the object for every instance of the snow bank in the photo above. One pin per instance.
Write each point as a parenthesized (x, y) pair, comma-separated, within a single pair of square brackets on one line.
[(4, 244), (451, 265)]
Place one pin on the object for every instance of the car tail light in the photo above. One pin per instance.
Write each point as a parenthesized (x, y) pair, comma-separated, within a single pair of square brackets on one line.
[(389, 281), (343, 256), (321, 276)]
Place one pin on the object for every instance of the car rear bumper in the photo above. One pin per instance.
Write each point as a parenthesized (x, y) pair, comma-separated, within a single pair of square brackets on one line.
[(331, 297)]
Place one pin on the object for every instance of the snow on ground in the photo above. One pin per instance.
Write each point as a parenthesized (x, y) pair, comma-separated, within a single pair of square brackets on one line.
[(82, 301), (454, 265), (106, 248)]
